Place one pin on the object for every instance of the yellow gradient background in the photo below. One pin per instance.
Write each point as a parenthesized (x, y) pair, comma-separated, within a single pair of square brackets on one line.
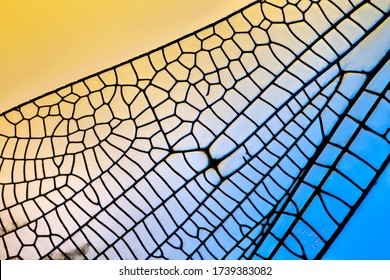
[(46, 44)]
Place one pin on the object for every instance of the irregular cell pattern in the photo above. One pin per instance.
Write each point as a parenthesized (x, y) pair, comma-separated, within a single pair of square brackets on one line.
[(256, 137)]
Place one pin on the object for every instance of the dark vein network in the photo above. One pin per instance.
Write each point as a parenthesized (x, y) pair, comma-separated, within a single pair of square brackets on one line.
[(256, 137)]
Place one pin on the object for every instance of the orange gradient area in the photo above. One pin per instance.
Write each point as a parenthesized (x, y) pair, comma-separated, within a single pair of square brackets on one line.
[(46, 44)]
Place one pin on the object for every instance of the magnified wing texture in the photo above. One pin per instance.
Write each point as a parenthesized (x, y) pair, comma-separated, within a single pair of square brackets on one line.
[(256, 137)]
